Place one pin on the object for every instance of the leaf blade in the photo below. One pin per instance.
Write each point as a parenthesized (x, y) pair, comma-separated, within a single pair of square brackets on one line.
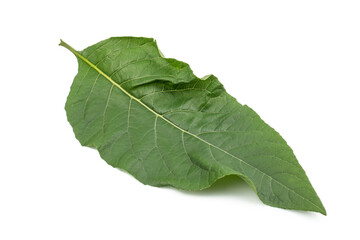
[(166, 99)]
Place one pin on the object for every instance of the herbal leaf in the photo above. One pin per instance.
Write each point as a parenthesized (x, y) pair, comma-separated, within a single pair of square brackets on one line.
[(152, 117)]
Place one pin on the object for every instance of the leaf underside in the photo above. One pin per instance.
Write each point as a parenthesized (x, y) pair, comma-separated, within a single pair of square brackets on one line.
[(152, 117)]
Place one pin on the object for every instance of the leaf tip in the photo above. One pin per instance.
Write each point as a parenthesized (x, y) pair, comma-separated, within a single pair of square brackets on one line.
[(320, 209), (323, 211)]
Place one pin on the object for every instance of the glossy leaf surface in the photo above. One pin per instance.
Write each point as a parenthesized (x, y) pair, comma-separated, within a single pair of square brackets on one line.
[(152, 117)]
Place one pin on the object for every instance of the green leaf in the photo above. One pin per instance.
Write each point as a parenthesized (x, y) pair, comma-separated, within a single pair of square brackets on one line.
[(152, 117)]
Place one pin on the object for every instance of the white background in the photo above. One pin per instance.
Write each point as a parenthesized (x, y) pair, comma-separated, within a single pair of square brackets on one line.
[(297, 63)]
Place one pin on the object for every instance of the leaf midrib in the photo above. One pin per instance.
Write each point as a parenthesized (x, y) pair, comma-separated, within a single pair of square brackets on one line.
[(67, 46)]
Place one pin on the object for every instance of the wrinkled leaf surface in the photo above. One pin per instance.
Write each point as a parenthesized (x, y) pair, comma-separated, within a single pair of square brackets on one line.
[(152, 117)]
